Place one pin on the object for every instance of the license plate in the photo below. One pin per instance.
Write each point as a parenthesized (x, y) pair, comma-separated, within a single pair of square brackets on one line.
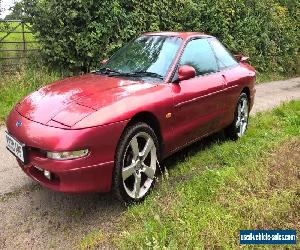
[(15, 147)]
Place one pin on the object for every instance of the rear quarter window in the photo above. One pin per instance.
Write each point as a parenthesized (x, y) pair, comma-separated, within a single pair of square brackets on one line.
[(224, 58)]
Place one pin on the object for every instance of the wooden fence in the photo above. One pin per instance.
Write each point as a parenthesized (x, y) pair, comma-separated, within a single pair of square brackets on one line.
[(16, 43)]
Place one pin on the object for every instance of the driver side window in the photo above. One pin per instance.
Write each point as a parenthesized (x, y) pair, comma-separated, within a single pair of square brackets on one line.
[(198, 54)]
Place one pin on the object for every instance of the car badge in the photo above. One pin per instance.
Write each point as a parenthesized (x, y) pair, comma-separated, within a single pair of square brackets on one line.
[(18, 124)]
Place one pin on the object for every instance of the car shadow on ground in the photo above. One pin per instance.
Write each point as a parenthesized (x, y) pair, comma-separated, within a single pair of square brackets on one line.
[(194, 149)]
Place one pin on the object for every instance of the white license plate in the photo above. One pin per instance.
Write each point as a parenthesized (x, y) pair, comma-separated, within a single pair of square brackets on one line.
[(15, 147)]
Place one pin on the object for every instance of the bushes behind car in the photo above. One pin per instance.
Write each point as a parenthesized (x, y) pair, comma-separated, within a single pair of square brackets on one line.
[(76, 34)]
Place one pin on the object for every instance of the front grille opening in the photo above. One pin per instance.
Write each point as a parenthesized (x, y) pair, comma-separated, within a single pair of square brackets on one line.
[(38, 173), (37, 151)]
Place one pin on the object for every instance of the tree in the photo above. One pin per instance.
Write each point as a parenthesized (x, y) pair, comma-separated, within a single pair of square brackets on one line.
[(16, 12), (75, 34)]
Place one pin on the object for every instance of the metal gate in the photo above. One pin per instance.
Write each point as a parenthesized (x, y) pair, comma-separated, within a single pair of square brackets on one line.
[(15, 44)]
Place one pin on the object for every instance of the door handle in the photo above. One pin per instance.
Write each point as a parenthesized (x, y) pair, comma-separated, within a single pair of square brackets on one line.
[(225, 80)]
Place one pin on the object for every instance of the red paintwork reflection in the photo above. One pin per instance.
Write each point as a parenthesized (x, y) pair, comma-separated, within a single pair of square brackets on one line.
[(91, 90)]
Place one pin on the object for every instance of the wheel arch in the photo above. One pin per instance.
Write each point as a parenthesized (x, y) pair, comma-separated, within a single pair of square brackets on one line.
[(151, 120), (246, 90)]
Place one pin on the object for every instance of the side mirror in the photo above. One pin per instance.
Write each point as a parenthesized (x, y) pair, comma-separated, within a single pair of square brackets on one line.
[(186, 72), (244, 59), (104, 61), (241, 58)]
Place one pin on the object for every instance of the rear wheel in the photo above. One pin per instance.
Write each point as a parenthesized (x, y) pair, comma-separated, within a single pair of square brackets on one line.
[(241, 117), (135, 163)]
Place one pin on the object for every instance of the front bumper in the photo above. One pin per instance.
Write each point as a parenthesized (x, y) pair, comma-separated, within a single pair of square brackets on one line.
[(78, 180), (92, 173)]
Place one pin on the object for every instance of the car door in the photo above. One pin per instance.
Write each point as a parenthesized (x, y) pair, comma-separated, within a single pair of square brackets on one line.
[(197, 101), (231, 72)]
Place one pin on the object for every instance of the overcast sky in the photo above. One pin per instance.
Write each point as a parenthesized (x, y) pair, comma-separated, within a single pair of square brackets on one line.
[(5, 5)]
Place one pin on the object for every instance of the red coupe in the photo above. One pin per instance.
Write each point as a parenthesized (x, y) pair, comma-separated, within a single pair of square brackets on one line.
[(109, 129)]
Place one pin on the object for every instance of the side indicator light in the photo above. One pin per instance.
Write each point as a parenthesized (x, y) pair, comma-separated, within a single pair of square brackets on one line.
[(168, 115)]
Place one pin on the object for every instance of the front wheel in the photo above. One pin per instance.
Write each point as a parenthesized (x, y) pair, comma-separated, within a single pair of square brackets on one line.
[(241, 117), (135, 163)]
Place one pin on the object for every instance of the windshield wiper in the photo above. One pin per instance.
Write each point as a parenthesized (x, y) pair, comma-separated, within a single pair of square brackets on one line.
[(108, 71), (146, 73), (112, 72)]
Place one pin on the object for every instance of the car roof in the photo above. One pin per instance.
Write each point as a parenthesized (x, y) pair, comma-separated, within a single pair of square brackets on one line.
[(183, 35)]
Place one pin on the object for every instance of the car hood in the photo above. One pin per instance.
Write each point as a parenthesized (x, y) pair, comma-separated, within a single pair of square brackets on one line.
[(68, 101)]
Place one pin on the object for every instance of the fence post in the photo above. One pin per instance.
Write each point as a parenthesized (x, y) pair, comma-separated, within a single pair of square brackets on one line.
[(24, 41)]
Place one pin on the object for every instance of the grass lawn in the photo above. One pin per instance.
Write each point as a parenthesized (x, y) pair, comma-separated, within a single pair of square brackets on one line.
[(15, 86), (217, 187)]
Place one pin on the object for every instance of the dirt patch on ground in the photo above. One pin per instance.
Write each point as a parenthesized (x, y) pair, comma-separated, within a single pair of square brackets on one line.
[(274, 201), (285, 165), (284, 185)]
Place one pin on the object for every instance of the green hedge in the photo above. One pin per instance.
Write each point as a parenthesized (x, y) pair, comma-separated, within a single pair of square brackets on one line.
[(76, 34)]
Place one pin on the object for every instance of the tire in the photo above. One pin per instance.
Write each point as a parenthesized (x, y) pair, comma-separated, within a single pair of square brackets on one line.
[(135, 163), (241, 117)]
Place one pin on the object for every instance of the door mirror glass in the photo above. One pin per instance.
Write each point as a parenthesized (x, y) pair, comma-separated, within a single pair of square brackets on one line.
[(186, 72), (241, 58)]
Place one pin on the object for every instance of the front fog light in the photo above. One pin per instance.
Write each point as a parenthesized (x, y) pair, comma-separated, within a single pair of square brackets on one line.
[(70, 155), (47, 174)]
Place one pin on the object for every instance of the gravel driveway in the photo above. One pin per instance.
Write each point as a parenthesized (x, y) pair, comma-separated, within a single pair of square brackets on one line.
[(34, 217)]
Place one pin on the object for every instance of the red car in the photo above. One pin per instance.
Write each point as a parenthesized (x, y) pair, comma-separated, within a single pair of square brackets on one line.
[(107, 130)]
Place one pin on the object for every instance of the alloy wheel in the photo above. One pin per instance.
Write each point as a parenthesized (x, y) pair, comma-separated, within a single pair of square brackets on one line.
[(139, 165), (242, 116)]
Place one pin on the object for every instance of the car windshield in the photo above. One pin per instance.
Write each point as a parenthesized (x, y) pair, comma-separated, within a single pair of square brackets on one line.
[(147, 56)]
